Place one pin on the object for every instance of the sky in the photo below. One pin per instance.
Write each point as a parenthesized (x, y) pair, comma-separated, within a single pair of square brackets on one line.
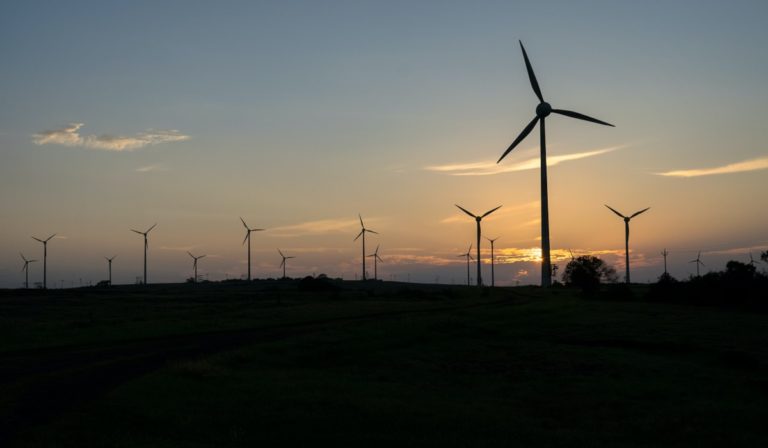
[(299, 115)]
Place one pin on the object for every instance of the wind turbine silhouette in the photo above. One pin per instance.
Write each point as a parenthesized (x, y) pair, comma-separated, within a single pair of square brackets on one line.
[(626, 233), (282, 265), (194, 264), (109, 260), (698, 262), (493, 260), (664, 254), (376, 259), (477, 220), (542, 111), (26, 270), (362, 233), (45, 258), (469, 257), (248, 231), (146, 246), (752, 261)]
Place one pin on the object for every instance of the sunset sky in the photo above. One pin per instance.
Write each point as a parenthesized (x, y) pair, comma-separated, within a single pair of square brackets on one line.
[(298, 115)]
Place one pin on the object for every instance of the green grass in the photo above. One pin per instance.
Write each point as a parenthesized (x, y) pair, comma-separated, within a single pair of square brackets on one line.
[(547, 370)]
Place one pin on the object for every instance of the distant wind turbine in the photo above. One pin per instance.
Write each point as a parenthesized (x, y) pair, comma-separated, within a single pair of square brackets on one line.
[(626, 233), (26, 270), (698, 262), (282, 265), (478, 218), (248, 231), (493, 261), (468, 255), (362, 233), (45, 258), (194, 263), (664, 254), (752, 261), (542, 111), (376, 259), (109, 260), (146, 246)]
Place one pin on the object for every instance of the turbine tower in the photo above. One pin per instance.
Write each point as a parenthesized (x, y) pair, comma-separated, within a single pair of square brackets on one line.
[(248, 231), (146, 246), (542, 111), (282, 265), (626, 233), (664, 254), (26, 270), (45, 258), (194, 264), (109, 260), (376, 259), (468, 255), (698, 262), (493, 261), (478, 218), (362, 233)]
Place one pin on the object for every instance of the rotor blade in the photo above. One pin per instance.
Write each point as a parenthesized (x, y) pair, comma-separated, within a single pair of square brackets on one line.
[(614, 211), (282, 263), (38, 239), (572, 114), (22, 256), (519, 138), (149, 229), (361, 220), (641, 211), (370, 231), (490, 211), (288, 258), (243, 221), (358, 235), (281, 253), (531, 76), (49, 238), (377, 249), (379, 258), (257, 230), (702, 263), (465, 210), (247, 235), (190, 254), (470, 248), (140, 233), (201, 256)]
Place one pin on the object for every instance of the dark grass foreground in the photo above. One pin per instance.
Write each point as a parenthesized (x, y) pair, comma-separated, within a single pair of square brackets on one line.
[(380, 365)]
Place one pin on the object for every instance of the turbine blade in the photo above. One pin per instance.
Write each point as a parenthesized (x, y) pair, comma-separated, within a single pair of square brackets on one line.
[(358, 235), (377, 250), (140, 233), (371, 231), (531, 76), (190, 254), (465, 211), (519, 138), (201, 256), (282, 263), (614, 211), (149, 229), (361, 220), (281, 253), (38, 239), (490, 211), (247, 235), (288, 258), (22, 256), (702, 263), (243, 221), (572, 114), (49, 238), (641, 211), (377, 256)]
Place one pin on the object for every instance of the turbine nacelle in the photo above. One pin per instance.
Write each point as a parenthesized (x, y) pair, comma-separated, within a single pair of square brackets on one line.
[(543, 109)]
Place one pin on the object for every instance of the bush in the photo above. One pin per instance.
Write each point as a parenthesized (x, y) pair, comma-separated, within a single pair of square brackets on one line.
[(587, 272)]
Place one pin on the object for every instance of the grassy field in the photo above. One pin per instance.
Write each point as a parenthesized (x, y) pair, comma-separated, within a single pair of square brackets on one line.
[(239, 365)]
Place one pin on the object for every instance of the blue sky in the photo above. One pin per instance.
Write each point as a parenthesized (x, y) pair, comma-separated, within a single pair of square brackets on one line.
[(300, 115)]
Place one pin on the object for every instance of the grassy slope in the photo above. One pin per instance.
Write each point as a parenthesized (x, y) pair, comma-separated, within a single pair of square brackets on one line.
[(549, 371)]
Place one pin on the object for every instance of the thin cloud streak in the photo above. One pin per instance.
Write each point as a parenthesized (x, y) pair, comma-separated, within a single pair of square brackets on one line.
[(70, 136), (738, 167), (150, 168), (318, 227), (490, 167)]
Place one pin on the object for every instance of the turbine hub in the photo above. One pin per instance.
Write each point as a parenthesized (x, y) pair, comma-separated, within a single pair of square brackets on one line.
[(543, 109)]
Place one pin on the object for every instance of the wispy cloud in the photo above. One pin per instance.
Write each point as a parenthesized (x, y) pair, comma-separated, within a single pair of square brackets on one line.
[(70, 136), (487, 168), (318, 227), (738, 167), (151, 168)]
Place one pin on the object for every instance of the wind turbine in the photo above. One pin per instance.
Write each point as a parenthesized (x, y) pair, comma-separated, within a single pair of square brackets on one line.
[(45, 258), (248, 231), (194, 263), (376, 259), (698, 262), (109, 260), (282, 265), (542, 111), (362, 233), (626, 233), (469, 257), (26, 270), (664, 254), (477, 220), (752, 261), (146, 246), (493, 260)]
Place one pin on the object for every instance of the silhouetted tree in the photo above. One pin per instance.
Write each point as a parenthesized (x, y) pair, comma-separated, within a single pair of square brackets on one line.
[(764, 256), (587, 272), (738, 274)]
